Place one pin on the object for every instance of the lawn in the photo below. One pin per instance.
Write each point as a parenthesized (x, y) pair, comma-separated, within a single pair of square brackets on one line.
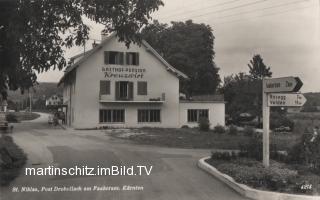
[(21, 116), (193, 138), (12, 159)]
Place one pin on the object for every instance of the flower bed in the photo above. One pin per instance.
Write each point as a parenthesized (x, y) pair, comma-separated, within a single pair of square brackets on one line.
[(279, 177)]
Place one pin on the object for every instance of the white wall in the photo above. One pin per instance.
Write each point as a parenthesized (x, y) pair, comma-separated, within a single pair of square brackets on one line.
[(89, 74), (216, 113)]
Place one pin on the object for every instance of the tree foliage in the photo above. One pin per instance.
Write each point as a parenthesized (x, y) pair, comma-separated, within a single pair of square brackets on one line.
[(188, 47), (33, 33), (257, 69), (243, 92)]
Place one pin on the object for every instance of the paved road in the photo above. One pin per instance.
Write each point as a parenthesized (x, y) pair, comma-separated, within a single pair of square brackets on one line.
[(174, 175)]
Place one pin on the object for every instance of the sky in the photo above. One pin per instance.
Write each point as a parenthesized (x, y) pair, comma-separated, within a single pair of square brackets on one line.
[(286, 33)]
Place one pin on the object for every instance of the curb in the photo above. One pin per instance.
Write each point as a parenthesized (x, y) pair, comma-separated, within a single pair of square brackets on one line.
[(247, 191)]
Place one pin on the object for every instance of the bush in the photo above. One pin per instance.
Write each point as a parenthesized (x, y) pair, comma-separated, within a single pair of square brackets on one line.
[(307, 152), (275, 178), (223, 155), (204, 124), (13, 159), (233, 130), (12, 118), (249, 131), (277, 120), (219, 129), (253, 149)]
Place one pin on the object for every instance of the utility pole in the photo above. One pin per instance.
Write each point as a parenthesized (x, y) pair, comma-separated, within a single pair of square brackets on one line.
[(266, 127), (30, 99)]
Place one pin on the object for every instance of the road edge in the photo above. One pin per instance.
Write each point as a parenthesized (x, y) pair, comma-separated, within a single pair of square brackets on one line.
[(248, 191)]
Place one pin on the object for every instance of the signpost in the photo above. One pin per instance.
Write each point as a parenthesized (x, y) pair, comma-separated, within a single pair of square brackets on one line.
[(286, 100), (272, 96), (285, 84)]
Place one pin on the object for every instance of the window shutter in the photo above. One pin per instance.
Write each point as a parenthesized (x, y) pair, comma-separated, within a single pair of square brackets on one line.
[(107, 87), (127, 58), (121, 58), (130, 92), (142, 88), (102, 87), (117, 96), (137, 58), (106, 57)]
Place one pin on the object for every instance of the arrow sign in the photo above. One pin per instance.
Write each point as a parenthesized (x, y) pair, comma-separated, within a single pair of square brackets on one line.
[(284, 84), (286, 100)]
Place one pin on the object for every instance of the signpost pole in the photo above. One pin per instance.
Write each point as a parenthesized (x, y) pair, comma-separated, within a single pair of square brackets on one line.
[(266, 121)]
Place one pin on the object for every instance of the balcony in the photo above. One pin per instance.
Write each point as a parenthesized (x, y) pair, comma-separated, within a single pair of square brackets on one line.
[(111, 99)]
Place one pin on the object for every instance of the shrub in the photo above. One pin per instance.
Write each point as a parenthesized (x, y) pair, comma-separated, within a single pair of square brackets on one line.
[(253, 149), (13, 159), (219, 129), (223, 155), (233, 130), (12, 118), (277, 120), (249, 131), (307, 152), (255, 175), (204, 124)]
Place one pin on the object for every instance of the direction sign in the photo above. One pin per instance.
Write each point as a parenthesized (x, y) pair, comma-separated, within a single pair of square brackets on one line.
[(286, 100), (284, 84)]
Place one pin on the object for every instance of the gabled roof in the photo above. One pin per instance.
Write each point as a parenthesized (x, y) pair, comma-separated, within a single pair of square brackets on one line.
[(86, 55)]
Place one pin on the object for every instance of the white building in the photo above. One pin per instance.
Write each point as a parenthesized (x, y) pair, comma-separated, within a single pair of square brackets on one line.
[(114, 86), (54, 100)]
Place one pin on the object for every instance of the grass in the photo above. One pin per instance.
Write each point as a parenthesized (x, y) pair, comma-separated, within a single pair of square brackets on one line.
[(194, 138), (22, 116), (12, 159)]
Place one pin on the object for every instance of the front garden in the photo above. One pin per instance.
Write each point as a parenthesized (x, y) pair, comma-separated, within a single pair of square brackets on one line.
[(297, 171)]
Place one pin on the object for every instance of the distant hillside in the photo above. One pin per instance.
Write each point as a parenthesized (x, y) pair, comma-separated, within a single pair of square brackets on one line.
[(313, 102), (313, 98), (41, 91)]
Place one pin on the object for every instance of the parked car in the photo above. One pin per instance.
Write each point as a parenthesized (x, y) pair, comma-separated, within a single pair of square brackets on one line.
[(282, 129)]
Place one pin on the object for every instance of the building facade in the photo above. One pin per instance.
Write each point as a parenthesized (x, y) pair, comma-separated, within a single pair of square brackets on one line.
[(114, 86), (54, 100)]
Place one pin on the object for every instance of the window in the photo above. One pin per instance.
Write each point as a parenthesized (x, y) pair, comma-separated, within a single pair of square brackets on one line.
[(113, 57), (142, 88), (124, 90), (195, 114), (112, 116), (104, 87), (149, 115), (132, 58)]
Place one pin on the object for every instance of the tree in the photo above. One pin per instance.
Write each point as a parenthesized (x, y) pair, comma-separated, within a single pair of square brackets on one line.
[(257, 68), (258, 71), (243, 92), (188, 47), (33, 33)]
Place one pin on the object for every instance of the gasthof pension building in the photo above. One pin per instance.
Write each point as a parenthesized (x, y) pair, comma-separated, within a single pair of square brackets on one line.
[(115, 86)]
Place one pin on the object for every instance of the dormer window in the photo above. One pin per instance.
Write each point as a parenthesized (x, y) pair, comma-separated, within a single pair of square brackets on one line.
[(132, 58), (113, 58)]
